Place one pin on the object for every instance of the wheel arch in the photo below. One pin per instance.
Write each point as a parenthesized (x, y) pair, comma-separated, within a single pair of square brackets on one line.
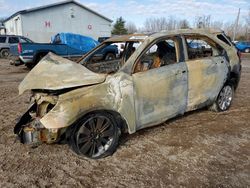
[(233, 79), (121, 122), (4, 48), (42, 52)]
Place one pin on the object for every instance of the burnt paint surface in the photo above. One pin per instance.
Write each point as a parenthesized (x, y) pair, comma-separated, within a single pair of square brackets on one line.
[(206, 77), (160, 94), (140, 98), (54, 72)]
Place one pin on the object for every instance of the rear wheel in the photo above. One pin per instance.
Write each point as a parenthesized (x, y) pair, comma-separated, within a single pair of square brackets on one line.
[(5, 53), (109, 56), (29, 65), (95, 136), (39, 57), (247, 50), (224, 99)]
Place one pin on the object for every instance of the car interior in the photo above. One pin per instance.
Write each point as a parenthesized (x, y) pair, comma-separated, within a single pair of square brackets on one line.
[(99, 64), (160, 54)]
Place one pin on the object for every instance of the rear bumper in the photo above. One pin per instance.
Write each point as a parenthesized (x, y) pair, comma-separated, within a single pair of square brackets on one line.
[(20, 60), (26, 59)]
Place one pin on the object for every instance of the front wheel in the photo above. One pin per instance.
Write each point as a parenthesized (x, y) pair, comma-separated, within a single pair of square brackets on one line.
[(224, 99), (95, 136)]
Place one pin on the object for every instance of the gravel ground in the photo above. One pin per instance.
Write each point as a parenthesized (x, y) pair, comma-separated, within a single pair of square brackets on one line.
[(200, 149)]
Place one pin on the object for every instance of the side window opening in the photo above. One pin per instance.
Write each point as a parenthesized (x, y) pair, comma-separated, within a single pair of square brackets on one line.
[(202, 47), (13, 40), (2, 39), (159, 54)]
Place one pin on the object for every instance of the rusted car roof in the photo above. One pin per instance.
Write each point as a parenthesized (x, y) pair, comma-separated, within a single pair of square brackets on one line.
[(127, 38), (142, 37)]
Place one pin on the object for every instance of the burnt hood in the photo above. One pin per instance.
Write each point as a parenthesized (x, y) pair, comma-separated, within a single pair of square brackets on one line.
[(54, 73)]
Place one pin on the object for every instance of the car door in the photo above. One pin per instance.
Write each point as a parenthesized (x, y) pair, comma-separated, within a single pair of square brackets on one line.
[(207, 72), (160, 92)]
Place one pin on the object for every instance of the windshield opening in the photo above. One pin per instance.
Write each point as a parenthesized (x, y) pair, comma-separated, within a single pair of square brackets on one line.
[(110, 57)]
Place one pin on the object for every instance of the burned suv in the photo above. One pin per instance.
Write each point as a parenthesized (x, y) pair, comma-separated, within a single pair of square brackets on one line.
[(89, 104)]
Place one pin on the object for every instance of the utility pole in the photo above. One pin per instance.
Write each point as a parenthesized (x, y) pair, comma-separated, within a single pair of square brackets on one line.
[(236, 25)]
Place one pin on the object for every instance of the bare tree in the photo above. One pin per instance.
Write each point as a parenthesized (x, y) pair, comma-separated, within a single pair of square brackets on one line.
[(172, 23), (183, 24), (203, 21), (248, 17), (131, 27), (217, 24), (155, 24), (248, 25), (149, 25)]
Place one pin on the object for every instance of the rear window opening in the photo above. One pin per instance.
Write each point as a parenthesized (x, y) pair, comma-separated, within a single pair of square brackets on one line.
[(202, 47)]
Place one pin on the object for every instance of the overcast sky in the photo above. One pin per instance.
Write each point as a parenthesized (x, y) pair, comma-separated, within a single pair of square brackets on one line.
[(138, 11)]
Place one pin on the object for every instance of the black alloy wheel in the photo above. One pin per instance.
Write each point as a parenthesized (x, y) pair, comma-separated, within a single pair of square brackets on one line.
[(95, 136)]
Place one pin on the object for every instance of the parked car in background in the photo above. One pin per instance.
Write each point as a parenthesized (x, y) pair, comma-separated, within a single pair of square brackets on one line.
[(243, 46), (68, 45), (7, 40), (198, 48), (102, 39), (91, 103)]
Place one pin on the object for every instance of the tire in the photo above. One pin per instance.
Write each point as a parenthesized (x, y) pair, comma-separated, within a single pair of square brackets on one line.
[(224, 99), (95, 136), (39, 57), (5, 53), (109, 56), (247, 50), (29, 65)]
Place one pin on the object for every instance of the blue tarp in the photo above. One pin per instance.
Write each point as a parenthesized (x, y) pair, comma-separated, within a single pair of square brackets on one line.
[(80, 42)]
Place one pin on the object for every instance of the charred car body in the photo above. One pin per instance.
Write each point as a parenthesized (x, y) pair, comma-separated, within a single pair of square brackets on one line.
[(156, 78)]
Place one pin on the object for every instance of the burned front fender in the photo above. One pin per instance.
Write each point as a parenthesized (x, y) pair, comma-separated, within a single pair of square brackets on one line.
[(112, 95)]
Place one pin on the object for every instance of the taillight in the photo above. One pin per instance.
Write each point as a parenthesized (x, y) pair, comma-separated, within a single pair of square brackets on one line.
[(19, 48)]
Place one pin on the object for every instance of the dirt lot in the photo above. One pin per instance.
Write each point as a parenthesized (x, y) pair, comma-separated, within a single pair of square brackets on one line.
[(202, 148)]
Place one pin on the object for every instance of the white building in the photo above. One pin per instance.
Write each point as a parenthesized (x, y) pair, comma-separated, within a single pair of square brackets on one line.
[(40, 23)]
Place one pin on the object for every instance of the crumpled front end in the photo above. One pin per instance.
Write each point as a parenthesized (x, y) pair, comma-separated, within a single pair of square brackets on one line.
[(29, 128)]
